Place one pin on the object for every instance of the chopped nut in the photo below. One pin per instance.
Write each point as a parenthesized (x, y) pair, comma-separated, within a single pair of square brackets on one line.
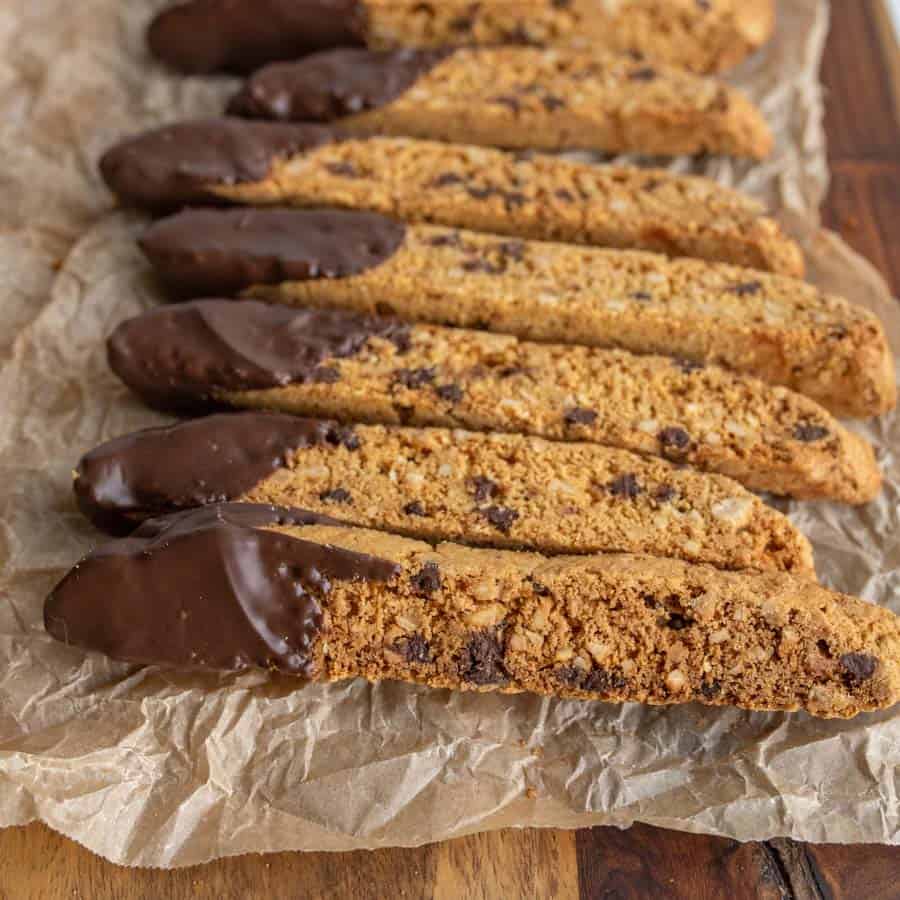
[(628, 666), (598, 651), (407, 623), (564, 654), (485, 591), (675, 680), (486, 616), (517, 642), (719, 636)]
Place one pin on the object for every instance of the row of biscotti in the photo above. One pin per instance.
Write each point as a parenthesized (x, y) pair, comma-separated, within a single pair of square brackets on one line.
[(208, 35), (239, 586), (358, 368), (777, 328), (511, 97)]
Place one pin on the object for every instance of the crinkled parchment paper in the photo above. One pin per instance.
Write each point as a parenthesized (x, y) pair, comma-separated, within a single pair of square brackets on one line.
[(152, 767)]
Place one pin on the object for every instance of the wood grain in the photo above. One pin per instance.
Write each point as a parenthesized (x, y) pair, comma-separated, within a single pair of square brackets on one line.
[(864, 204)]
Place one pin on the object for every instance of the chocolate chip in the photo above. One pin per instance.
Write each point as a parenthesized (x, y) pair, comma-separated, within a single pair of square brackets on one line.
[(450, 239), (641, 295), (746, 288), (710, 689), (338, 495), (509, 371), (485, 489), (483, 265), (401, 339), (450, 393), (343, 168), (481, 193), (677, 622), (413, 648), (664, 493), (414, 508), (569, 675), (481, 660), (601, 681), (501, 517), (806, 432), (645, 74), (687, 365), (462, 23), (564, 195), (507, 101), (675, 441), (413, 378), (343, 437), (513, 199), (447, 179), (404, 412), (579, 415), (512, 249), (625, 486), (427, 580), (552, 102), (325, 375), (540, 589), (650, 601), (858, 667)]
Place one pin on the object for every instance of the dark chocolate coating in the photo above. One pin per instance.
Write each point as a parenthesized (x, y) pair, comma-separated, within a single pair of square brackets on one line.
[(207, 588), (213, 459), (218, 252), (179, 357), (327, 86), (173, 166), (239, 36)]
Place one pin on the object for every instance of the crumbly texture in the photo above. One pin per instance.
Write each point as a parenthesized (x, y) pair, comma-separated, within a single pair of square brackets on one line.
[(519, 97), (780, 329), (520, 492), (611, 627), (533, 196), (768, 438), (702, 37)]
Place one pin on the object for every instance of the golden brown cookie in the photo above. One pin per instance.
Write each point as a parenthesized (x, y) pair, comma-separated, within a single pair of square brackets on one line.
[(235, 587), (341, 365), (500, 490), (513, 97), (777, 328), (522, 194)]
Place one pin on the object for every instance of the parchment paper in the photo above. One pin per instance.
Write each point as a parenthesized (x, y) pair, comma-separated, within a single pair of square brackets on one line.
[(151, 767)]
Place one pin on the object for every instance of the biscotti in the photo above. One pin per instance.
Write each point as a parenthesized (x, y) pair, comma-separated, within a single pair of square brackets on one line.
[(498, 490), (235, 587), (533, 196), (513, 97), (335, 364), (777, 328), (208, 35)]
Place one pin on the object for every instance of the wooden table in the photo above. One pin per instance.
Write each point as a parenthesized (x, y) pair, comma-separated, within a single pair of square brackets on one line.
[(862, 72)]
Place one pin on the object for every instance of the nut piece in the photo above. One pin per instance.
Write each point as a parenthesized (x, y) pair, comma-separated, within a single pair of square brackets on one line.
[(676, 681)]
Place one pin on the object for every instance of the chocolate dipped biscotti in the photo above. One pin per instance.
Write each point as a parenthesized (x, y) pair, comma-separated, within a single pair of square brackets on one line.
[(502, 490), (235, 586), (342, 365), (513, 97), (777, 328), (531, 196), (707, 36)]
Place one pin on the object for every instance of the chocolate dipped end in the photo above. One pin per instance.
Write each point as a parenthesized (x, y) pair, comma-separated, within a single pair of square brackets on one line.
[(328, 86), (170, 167), (222, 35), (158, 471), (210, 252), (180, 358), (208, 589)]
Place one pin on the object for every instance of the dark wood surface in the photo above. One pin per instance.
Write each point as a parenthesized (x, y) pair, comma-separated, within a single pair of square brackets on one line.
[(599, 863)]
